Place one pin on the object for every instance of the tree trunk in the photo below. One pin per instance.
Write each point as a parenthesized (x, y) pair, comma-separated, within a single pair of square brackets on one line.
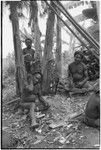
[(71, 44), (35, 28), (19, 64), (37, 40), (48, 49), (58, 47)]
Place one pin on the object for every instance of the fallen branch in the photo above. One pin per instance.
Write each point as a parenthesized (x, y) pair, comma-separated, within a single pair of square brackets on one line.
[(75, 115), (12, 101)]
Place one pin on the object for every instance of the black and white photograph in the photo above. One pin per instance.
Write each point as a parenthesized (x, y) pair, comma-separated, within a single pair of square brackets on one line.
[(50, 74)]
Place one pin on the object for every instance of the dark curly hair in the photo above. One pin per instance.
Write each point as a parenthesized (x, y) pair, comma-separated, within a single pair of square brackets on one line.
[(78, 52), (28, 39)]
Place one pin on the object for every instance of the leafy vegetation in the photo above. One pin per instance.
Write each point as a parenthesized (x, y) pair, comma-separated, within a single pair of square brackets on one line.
[(9, 65)]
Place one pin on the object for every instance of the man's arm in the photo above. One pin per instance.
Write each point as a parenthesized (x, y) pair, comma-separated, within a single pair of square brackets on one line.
[(69, 72), (70, 77), (86, 76), (33, 52), (24, 51)]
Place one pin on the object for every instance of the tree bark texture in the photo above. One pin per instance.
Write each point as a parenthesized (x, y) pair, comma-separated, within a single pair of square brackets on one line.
[(48, 48), (19, 63), (58, 47), (35, 28)]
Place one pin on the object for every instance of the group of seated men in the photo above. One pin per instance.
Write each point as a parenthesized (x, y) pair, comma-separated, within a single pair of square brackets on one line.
[(78, 77)]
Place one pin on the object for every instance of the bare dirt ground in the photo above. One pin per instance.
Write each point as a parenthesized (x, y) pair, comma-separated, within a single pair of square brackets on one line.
[(58, 128)]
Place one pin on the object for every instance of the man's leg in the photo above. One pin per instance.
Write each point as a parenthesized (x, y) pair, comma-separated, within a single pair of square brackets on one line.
[(27, 66), (44, 103), (85, 88), (33, 115), (76, 90), (31, 107)]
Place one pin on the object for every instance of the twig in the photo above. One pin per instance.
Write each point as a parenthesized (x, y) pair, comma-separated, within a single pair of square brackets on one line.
[(12, 101)]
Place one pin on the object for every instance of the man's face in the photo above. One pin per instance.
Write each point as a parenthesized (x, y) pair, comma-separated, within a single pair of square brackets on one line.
[(28, 43), (77, 58), (37, 78)]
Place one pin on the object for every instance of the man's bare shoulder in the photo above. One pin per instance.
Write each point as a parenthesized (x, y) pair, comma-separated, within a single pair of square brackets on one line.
[(71, 64), (24, 50), (33, 50)]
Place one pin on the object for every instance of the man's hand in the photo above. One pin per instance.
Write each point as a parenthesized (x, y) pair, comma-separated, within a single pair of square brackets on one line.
[(96, 86), (30, 87), (80, 84)]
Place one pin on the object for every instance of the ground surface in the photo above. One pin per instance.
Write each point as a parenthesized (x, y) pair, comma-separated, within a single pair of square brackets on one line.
[(71, 133)]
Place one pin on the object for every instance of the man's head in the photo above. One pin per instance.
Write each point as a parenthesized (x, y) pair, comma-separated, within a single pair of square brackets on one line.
[(78, 56), (28, 42), (37, 78)]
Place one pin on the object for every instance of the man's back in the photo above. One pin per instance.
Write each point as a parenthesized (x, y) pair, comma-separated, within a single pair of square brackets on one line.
[(93, 107)]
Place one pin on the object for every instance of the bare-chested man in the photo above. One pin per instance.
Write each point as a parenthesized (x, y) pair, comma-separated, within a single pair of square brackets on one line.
[(32, 94), (77, 73), (28, 54)]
